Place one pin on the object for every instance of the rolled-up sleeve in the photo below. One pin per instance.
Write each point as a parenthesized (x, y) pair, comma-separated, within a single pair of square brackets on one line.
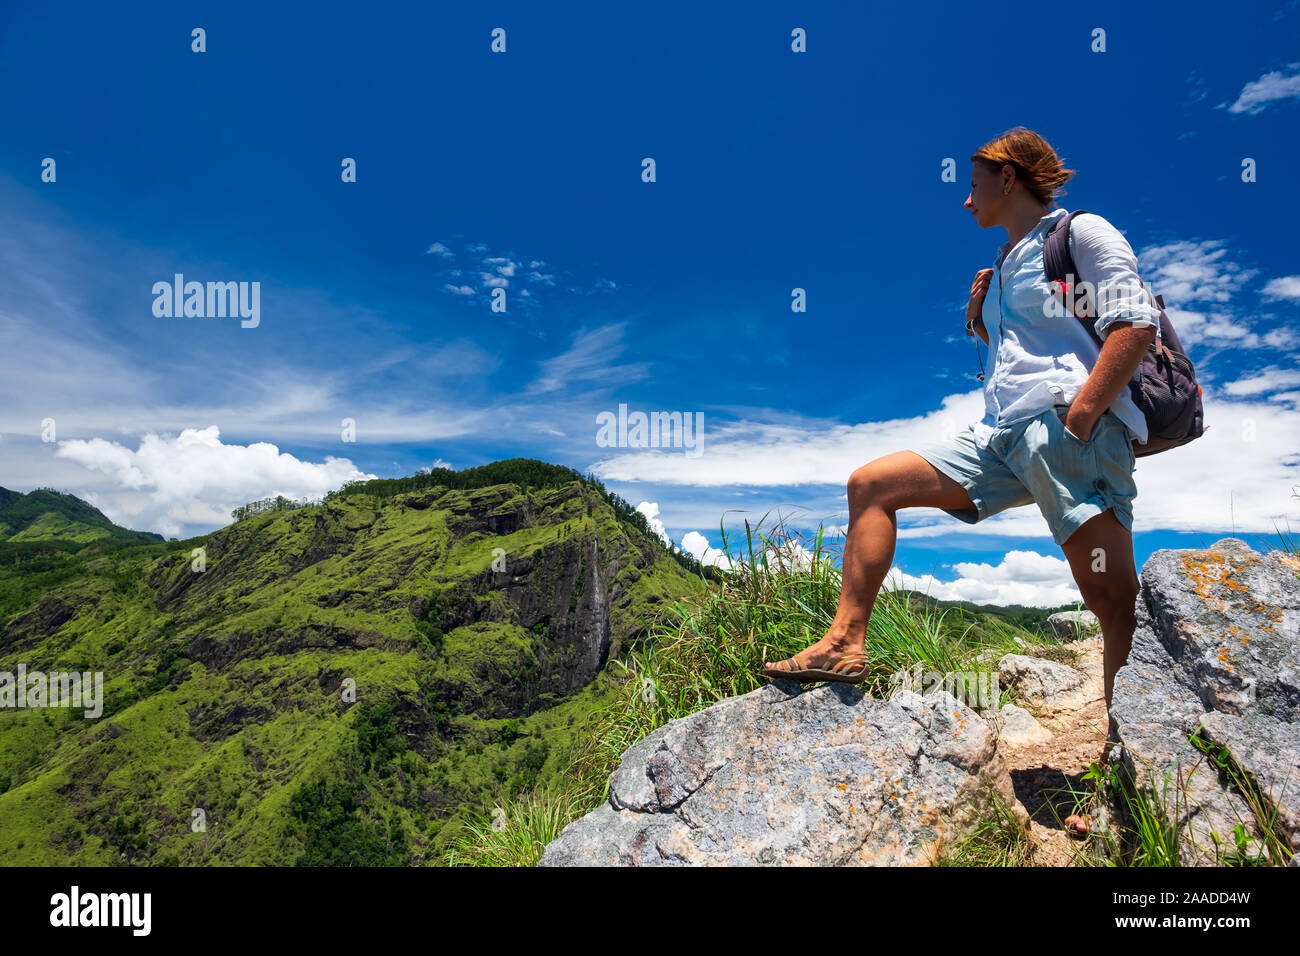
[(1106, 261)]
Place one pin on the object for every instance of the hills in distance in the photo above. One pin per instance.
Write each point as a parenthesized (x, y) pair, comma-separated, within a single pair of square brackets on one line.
[(335, 683)]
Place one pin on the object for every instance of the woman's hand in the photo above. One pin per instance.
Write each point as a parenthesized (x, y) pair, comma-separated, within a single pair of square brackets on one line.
[(1063, 416), (978, 290)]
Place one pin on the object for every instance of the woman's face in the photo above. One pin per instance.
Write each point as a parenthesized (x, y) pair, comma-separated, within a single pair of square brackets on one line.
[(986, 201)]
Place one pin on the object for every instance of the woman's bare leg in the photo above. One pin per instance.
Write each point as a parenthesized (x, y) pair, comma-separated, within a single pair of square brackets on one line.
[(902, 479)]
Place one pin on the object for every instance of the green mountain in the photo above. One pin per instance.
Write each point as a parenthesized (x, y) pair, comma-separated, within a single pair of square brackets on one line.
[(48, 515), (336, 683)]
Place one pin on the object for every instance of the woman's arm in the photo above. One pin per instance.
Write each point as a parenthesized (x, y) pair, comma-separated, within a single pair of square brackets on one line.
[(1106, 262), (1121, 354), (1126, 316)]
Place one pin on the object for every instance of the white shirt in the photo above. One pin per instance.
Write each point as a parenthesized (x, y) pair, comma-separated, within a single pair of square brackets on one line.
[(1041, 356)]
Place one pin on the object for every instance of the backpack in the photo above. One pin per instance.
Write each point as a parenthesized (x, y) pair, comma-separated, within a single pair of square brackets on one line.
[(1166, 392)]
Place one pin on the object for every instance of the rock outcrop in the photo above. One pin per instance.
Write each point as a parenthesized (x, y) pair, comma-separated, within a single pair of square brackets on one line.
[(1046, 688), (789, 775), (1216, 654), (1074, 625)]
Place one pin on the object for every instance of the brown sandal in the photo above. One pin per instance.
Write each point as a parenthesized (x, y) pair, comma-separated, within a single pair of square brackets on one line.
[(840, 671)]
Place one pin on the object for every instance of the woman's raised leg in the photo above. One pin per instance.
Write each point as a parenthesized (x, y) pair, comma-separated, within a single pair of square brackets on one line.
[(876, 490)]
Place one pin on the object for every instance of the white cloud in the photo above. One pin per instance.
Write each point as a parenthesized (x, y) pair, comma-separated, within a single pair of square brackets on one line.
[(1215, 328), (1269, 379), (651, 511), (1281, 338), (194, 478), (1021, 577), (695, 544), (1187, 273), (459, 289), (1203, 290), (1283, 287), (788, 552), (439, 249), (1270, 88), (504, 266)]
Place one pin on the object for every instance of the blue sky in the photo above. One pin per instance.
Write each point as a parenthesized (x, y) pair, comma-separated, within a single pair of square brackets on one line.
[(522, 170)]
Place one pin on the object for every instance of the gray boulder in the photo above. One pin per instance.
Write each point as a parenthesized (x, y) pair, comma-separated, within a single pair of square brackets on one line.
[(1074, 625), (1017, 726), (1216, 652), (1045, 688), (790, 775)]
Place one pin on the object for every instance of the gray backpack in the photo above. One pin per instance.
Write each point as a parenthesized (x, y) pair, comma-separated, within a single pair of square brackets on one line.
[(1166, 392)]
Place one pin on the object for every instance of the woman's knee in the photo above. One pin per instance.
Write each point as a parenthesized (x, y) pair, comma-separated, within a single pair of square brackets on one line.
[(862, 484), (880, 483), (859, 484), (904, 480)]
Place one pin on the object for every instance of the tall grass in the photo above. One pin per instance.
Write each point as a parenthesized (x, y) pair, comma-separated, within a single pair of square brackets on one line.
[(997, 840), (1150, 832)]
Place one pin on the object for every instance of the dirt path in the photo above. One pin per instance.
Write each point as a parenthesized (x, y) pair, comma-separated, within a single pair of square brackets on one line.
[(1044, 774)]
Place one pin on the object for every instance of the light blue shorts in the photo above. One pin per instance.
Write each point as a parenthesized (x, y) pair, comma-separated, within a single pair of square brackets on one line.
[(1039, 461)]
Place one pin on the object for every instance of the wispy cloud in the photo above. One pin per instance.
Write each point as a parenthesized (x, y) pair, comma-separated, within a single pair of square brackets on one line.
[(1271, 379), (1204, 291), (590, 361), (524, 277), (1274, 87), (1192, 273), (1283, 287)]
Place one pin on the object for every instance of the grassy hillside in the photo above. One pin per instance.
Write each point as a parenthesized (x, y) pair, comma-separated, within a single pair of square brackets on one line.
[(341, 683), (48, 515)]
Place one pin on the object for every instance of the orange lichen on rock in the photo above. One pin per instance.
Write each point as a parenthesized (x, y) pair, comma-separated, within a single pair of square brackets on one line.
[(1206, 569)]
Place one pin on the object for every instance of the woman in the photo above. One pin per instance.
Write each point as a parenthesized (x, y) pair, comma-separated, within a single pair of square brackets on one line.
[(1058, 420)]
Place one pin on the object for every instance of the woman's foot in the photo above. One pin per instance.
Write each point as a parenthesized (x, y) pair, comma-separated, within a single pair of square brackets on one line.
[(823, 655), (1078, 824)]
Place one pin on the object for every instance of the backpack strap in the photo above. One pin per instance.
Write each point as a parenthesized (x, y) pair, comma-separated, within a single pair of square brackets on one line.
[(1057, 261), (1058, 264)]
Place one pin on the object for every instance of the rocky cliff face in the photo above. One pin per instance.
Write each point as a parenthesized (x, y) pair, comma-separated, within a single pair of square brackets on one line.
[(550, 568)]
